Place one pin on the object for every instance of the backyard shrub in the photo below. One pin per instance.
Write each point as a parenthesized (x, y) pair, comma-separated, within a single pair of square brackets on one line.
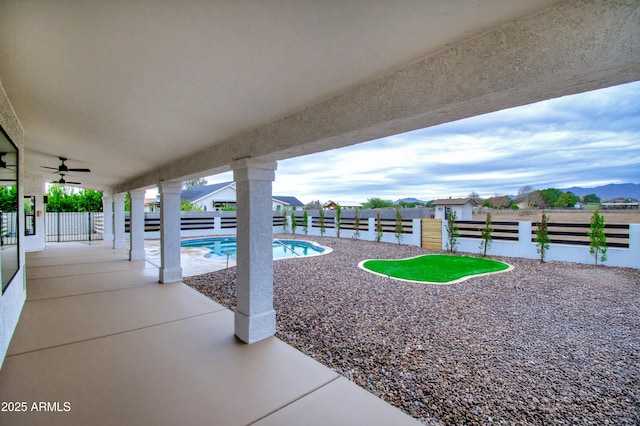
[(305, 222), (378, 227), (398, 228), (356, 225), (322, 228), (293, 224), (452, 232), (598, 245), (542, 236), (486, 235)]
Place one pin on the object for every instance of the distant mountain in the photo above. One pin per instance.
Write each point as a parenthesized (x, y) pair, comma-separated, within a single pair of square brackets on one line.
[(409, 200), (609, 192)]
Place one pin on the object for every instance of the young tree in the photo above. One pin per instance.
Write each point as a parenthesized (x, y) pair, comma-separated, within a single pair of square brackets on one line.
[(378, 227), (398, 225), (452, 232), (356, 225), (338, 220), (322, 228), (284, 222), (542, 236), (293, 223), (486, 235), (598, 245), (305, 222)]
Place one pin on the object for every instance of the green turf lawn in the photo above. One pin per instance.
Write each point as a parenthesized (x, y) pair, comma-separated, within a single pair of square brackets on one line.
[(434, 268)]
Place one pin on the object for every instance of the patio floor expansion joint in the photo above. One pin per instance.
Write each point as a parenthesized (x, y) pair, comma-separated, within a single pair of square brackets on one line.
[(131, 287), (117, 333), (296, 399)]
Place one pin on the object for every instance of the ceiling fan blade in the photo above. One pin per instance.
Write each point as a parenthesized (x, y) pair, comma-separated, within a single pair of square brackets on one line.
[(52, 168), (79, 170)]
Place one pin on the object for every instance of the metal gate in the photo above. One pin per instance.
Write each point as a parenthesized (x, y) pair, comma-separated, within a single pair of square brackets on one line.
[(74, 226), (432, 234)]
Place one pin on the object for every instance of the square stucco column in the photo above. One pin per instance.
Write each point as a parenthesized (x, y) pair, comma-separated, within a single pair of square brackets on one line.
[(118, 221), (255, 318), (107, 214), (170, 270), (136, 233)]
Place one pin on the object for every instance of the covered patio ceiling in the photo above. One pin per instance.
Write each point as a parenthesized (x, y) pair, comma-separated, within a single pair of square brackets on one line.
[(146, 91)]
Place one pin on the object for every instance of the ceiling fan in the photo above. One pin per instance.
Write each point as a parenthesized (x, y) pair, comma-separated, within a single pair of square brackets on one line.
[(62, 168), (61, 181)]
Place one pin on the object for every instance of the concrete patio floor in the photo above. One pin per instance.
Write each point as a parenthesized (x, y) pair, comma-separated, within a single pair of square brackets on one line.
[(103, 344)]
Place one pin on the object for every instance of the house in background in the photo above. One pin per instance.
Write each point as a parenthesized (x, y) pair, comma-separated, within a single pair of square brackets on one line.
[(348, 205), (281, 203), (152, 204), (214, 197), (222, 196), (462, 206)]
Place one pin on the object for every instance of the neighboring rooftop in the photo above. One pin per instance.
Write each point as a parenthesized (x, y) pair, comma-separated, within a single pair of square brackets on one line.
[(199, 192), (454, 202)]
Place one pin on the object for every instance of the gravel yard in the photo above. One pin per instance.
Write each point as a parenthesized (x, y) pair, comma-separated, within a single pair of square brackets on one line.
[(552, 343)]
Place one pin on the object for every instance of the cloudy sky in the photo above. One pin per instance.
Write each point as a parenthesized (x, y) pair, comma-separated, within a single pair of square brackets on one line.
[(584, 140)]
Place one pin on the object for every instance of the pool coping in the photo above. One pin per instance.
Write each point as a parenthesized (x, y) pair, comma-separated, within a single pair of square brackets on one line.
[(325, 249)]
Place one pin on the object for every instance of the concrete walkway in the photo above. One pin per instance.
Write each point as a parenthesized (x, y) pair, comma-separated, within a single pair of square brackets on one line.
[(100, 342)]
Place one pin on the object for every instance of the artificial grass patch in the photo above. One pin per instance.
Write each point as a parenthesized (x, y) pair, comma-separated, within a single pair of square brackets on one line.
[(434, 268)]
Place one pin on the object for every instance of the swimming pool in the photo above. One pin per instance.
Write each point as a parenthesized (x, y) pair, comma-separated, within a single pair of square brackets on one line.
[(282, 249)]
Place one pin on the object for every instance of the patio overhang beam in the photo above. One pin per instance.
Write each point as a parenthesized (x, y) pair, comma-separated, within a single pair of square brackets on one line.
[(570, 48)]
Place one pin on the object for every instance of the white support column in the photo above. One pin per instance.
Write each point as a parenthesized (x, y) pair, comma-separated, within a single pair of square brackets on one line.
[(107, 212), (255, 318), (170, 270), (136, 233), (118, 221)]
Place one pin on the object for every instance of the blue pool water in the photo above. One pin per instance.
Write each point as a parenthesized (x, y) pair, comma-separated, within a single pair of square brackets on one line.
[(221, 247)]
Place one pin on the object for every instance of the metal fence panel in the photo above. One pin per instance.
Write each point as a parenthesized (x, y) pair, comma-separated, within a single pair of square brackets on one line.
[(74, 226)]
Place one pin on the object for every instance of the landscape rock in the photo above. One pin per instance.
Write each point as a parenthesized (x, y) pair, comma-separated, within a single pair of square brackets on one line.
[(546, 343)]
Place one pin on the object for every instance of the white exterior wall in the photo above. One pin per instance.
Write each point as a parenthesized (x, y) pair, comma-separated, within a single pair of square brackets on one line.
[(35, 186), (227, 194), (12, 301), (278, 205), (462, 212)]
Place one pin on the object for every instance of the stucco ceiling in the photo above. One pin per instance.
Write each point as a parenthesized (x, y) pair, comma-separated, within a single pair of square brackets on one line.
[(129, 87)]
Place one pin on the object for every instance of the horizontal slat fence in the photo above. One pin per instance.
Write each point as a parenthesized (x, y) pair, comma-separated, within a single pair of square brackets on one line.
[(504, 231), (577, 234)]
